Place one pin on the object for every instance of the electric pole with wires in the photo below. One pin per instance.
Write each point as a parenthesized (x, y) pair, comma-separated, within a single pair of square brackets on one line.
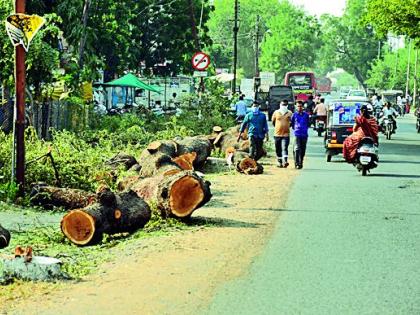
[(235, 45)]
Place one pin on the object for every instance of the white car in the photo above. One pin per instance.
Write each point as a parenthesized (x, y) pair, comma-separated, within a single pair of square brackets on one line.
[(356, 95)]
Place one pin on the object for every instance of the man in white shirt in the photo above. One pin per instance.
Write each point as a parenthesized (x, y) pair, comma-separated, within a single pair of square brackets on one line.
[(240, 108), (389, 113)]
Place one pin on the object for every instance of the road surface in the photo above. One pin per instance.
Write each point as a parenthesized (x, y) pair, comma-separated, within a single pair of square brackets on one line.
[(345, 244)]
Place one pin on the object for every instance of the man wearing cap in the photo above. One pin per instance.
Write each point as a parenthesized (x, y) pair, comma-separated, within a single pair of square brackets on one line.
[(256, 122)]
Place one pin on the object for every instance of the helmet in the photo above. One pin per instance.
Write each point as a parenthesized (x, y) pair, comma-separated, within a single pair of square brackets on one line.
[(369, 108)]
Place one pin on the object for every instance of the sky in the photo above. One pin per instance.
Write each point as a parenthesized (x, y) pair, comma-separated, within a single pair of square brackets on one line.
[(319, 7)]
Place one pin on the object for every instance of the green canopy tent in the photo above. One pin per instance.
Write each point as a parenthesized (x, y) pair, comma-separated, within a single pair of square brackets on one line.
[(131, 81)]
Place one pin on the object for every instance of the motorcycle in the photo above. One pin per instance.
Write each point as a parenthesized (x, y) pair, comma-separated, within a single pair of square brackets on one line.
[(319, 126), (388, 127), (366, 156)]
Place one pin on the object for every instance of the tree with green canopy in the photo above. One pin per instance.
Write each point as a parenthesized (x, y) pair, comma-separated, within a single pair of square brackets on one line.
[(293, 41), (390, 72), (396, 16), (221, 25), (349, 43)]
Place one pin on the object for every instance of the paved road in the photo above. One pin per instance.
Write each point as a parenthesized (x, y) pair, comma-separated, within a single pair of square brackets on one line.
[(345, 244)]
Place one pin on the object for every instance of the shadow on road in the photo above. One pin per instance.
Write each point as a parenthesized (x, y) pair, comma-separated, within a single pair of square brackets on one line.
[(394, 175), (220, 222), (398, 162)]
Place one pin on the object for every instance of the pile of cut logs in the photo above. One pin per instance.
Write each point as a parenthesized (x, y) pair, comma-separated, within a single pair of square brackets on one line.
[(236, 152), (165, 178)]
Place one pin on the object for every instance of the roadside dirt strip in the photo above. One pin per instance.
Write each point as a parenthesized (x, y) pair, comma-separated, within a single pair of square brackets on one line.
[(180, 273)]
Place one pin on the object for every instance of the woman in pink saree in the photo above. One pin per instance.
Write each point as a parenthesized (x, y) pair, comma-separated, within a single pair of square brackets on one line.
[(365, 126)]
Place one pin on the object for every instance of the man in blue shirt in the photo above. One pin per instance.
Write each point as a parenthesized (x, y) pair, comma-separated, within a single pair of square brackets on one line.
[(300, 125), (257, 125), (240, 108)]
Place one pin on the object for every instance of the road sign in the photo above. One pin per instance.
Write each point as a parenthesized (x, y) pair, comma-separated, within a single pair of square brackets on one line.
[(200, 61), (200, 74)]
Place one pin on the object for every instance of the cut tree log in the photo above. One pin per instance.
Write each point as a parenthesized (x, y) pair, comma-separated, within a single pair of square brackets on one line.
[(177, 195), (158, 163), (4, 237), (185, 161), (68, 198), (113, 213), (200, 145), (249, 166), (122, 159), (166, 147)]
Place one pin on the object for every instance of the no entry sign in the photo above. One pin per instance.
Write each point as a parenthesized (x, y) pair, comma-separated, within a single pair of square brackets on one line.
[(200, 61)]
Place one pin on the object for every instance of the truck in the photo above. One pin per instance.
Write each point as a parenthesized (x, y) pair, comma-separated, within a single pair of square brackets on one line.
[(324, 85)]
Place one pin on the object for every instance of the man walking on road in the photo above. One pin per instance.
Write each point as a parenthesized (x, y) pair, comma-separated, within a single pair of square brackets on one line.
[(240, 108), (281, 120), (300, 125), (257, 131)]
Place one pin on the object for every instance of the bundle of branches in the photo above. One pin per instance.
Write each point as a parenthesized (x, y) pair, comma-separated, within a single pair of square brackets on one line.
[(111, 213)]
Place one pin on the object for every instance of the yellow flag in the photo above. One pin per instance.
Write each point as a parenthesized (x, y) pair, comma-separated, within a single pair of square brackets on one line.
[(22, 28)]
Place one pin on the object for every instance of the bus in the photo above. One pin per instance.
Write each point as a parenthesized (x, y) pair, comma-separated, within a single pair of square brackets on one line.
[(303, 84)]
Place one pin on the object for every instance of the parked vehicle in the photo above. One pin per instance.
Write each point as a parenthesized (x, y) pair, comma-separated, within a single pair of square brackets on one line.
[(276, 94), (340, 121), (303, 84), (367, 156)]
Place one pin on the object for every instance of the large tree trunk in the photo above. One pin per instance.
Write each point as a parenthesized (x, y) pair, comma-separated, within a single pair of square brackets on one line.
[(68, 198), (4, 237), (200, 145), (176, 195), (158, 163), (113, 213), (157, 158)]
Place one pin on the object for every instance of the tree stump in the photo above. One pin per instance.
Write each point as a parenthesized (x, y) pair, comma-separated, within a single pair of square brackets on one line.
[(113, 213), (4, 237), (68, 198), (39, 268), (177, 195)]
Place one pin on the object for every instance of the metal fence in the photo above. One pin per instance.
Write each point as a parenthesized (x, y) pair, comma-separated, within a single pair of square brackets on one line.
[(47, 116)]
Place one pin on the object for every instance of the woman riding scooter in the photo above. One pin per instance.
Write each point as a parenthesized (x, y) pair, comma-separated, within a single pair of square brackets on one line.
[(365, 126)]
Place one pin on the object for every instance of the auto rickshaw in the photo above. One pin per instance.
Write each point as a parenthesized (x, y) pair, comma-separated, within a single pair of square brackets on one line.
[(391, 96), (340, 120)]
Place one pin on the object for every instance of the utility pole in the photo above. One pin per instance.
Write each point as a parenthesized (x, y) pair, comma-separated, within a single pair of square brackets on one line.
[(407, 83), (415, 77), (257, 47), (235, 46), (20, 74)]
